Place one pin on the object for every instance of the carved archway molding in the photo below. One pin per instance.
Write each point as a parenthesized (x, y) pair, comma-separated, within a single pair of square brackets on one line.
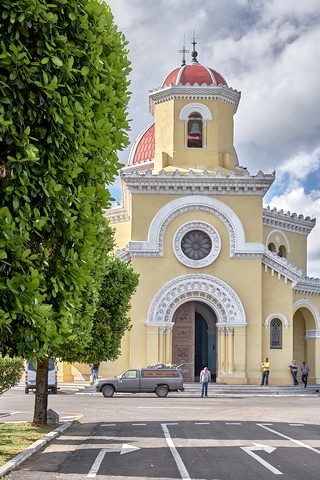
[(303, 303), (196, 287), (282, 317), (154, 245)]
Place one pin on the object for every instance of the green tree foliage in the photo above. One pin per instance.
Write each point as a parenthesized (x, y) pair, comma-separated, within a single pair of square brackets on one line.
[(63, 98), (10, 372), (111, 319)]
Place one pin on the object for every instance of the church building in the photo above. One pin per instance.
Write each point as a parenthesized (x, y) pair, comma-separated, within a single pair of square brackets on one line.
[(223, 279)]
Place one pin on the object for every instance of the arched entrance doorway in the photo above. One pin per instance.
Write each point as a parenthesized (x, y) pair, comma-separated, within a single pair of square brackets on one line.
[(194, 339)]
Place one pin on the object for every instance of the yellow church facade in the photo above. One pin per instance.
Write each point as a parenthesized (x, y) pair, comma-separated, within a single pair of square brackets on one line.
[(222, 278)]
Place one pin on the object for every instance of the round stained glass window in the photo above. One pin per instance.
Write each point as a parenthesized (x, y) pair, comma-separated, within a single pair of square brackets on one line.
[(196, 245)]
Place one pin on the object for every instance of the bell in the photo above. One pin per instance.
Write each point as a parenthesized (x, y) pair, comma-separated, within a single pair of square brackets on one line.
[(195, 129)]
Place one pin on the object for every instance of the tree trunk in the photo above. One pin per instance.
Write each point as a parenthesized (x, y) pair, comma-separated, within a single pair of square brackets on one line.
[(41, 398)]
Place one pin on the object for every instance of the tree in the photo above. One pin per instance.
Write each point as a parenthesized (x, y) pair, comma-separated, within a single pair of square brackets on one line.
[(10, 372), (63, 98)]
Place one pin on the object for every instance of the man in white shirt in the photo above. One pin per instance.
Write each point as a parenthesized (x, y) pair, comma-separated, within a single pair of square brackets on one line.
[(205, 378)]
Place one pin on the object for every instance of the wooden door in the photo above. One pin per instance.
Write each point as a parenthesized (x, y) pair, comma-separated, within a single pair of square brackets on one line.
[(183, 334)]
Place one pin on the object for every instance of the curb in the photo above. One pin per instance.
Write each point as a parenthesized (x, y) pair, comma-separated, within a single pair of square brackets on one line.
[(33, 448)]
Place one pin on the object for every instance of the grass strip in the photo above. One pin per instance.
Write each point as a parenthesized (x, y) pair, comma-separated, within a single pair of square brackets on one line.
[(15, 437)]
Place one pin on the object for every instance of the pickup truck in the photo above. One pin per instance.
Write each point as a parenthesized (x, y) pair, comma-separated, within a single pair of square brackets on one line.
[(146, 380)]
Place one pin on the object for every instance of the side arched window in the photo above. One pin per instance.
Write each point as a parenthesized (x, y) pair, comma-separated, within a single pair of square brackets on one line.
[(195, 130), (282, 251), (272, 247), (276, 333)]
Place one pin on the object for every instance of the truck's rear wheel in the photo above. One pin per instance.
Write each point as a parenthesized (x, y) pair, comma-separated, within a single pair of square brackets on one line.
[(108, 391), (26, 390), (162, 391)]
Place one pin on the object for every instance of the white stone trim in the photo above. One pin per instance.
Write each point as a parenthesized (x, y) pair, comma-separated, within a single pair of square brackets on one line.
[(197, 287), (303, 303), (195, 107), (154, 245), (313, 333), (204, 227), (292, 222), (279, 315)]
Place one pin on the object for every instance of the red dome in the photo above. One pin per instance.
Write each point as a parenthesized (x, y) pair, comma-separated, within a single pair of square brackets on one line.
[(143, 149), (194, 74)]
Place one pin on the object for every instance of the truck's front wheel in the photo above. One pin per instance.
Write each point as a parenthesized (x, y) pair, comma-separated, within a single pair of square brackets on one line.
[(108, 391), (162, 391)]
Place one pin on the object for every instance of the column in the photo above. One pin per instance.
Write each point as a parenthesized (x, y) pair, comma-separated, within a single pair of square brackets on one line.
[(168, 345), (221, 351), (230, 355), (152, 344)]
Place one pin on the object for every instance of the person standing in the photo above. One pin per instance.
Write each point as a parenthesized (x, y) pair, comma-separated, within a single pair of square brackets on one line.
[(265, 365), (294, 371), (304, 373), (205, 378), (94, 372)]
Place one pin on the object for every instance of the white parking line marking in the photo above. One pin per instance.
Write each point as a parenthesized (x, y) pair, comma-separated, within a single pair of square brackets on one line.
[(263, 425), (182, 469), (95, 467), (296, 424), (233, 423), (107, 425), (138, 424), (8, 414), (201, 423)]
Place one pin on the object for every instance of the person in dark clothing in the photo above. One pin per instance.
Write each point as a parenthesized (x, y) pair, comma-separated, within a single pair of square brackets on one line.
[(94, 372), (304, 373)]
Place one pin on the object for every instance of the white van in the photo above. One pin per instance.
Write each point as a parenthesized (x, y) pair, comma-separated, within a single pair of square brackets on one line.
[(31, 375)]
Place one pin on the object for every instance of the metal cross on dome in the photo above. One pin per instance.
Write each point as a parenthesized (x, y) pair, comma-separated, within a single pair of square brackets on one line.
[(184, 51), (194, 53)]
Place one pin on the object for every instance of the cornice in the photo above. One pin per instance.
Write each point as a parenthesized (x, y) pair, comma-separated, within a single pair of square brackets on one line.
[(281, 266), (291, 222), (307, 286), (124, 255), (117, 214), (200, 92), (238, 182)]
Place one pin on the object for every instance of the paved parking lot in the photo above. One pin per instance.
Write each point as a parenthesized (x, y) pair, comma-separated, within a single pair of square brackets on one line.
[(145, 437)]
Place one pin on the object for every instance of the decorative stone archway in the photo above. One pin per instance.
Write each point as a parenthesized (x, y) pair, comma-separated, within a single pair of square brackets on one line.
[(219, 296)]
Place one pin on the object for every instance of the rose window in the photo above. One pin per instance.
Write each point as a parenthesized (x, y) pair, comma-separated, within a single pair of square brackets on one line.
[(196, 245)]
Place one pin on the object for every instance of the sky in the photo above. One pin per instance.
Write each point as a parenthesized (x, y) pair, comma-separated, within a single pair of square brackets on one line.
[(267, 49)]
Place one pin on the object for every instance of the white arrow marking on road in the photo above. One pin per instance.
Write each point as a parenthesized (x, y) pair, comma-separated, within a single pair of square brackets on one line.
[(266, 448), (126, 448), (263, 425)]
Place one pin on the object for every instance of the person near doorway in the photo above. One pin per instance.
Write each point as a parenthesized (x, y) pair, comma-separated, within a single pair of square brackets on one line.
[(265, 365), (304, 373), (94, 372), (294, 371), (205, 378)]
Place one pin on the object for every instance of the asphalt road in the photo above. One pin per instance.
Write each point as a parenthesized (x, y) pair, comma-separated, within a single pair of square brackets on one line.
[(145, 437)]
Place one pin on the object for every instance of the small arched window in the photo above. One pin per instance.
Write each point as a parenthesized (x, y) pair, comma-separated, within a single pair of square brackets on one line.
[(276, 333), (195, 132), (272, 247), (282, 251)]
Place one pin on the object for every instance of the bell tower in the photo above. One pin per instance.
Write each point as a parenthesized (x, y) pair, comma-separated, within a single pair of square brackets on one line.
[(193, 112)]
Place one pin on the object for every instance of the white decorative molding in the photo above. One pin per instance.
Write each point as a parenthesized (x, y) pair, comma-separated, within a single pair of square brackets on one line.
[(204, 227), (188, 109), (308, 286), (124, 255), (117, 214), (304, 303), (200, 92), (287, 221), (196, 287), (313, 333), (281, 265), (279, 315), (154, 245), (237, 182)]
